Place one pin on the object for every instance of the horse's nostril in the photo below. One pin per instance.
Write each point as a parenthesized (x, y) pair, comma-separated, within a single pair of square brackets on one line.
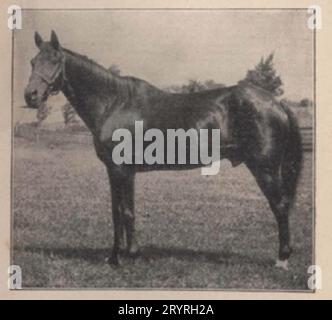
[(31, 97), (33, 94)]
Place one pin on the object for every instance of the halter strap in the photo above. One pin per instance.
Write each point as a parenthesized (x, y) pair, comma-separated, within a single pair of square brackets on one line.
[(51, 81)]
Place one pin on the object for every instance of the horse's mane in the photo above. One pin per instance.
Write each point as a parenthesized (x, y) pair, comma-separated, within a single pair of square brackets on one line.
[(89, 63), (124, 84), (103, 74)]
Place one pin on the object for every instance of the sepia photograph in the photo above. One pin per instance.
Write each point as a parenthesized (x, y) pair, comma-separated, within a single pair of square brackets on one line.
[(169, 149)]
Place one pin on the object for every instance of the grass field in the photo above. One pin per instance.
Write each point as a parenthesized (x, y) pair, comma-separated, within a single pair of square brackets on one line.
[(194, 231)]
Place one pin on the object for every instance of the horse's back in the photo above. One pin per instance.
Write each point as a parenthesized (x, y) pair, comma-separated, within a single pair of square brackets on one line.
[(251, 122)]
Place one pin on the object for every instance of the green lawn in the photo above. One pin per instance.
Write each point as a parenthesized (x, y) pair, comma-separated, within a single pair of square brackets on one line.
[(194, 231)]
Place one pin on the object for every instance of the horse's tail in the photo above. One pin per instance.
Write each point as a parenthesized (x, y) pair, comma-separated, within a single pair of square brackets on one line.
[(292, 160)]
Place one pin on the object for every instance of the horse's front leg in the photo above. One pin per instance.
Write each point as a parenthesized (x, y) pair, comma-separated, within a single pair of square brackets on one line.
[(128, 212), (122, 188), (116, 215)]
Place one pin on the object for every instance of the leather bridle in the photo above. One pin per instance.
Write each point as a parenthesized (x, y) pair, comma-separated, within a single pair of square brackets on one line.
[(54, 83)]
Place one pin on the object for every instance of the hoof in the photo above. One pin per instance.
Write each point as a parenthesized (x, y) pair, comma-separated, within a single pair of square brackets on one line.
[(122, 246), (285, 253), (282, 264), (113, 261), (133, 252)]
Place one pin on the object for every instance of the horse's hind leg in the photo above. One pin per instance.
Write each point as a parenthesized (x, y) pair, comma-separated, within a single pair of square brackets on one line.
[(269, 180)]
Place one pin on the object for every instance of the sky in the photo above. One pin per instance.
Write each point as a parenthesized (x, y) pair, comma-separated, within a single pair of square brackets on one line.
[(170, 47)]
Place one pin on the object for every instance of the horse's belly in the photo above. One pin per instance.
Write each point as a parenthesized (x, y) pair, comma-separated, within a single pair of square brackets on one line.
[(230, 152)]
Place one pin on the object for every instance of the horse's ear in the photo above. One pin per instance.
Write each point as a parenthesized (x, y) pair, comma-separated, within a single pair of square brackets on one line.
[(38, 40), (55, 41)]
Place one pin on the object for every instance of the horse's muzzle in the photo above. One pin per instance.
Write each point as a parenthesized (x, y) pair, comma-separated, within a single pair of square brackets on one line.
[(31, 99)]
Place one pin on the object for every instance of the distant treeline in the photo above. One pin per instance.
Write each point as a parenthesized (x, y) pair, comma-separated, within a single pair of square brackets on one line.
[(194, 86)]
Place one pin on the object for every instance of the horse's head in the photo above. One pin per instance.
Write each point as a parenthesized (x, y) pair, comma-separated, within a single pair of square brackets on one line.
[(47, 74)]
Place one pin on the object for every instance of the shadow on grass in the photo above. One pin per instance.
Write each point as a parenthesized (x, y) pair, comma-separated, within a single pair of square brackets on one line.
[(220, 257), (150, 253)]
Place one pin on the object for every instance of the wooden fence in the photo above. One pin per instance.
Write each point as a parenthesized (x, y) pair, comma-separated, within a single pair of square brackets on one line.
[(307, 138)]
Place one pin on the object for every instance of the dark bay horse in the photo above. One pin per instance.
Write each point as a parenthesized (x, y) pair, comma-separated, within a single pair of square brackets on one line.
[(255, 129)]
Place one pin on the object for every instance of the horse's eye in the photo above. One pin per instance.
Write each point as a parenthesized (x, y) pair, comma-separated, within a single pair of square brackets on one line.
[(32, 62), (54, 55), (54, 58)]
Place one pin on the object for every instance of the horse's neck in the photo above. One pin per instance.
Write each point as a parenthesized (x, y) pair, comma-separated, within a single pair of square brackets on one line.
[(88, 89)]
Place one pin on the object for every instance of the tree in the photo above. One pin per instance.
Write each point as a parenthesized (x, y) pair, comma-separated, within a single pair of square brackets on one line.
[(173, 89), (193, 86), (42, 113), (69, 114), (304, 103), (264, 75), (211, 84), (114, 69)]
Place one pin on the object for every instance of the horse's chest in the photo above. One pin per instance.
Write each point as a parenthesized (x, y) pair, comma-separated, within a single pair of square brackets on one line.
[(117, 120)]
